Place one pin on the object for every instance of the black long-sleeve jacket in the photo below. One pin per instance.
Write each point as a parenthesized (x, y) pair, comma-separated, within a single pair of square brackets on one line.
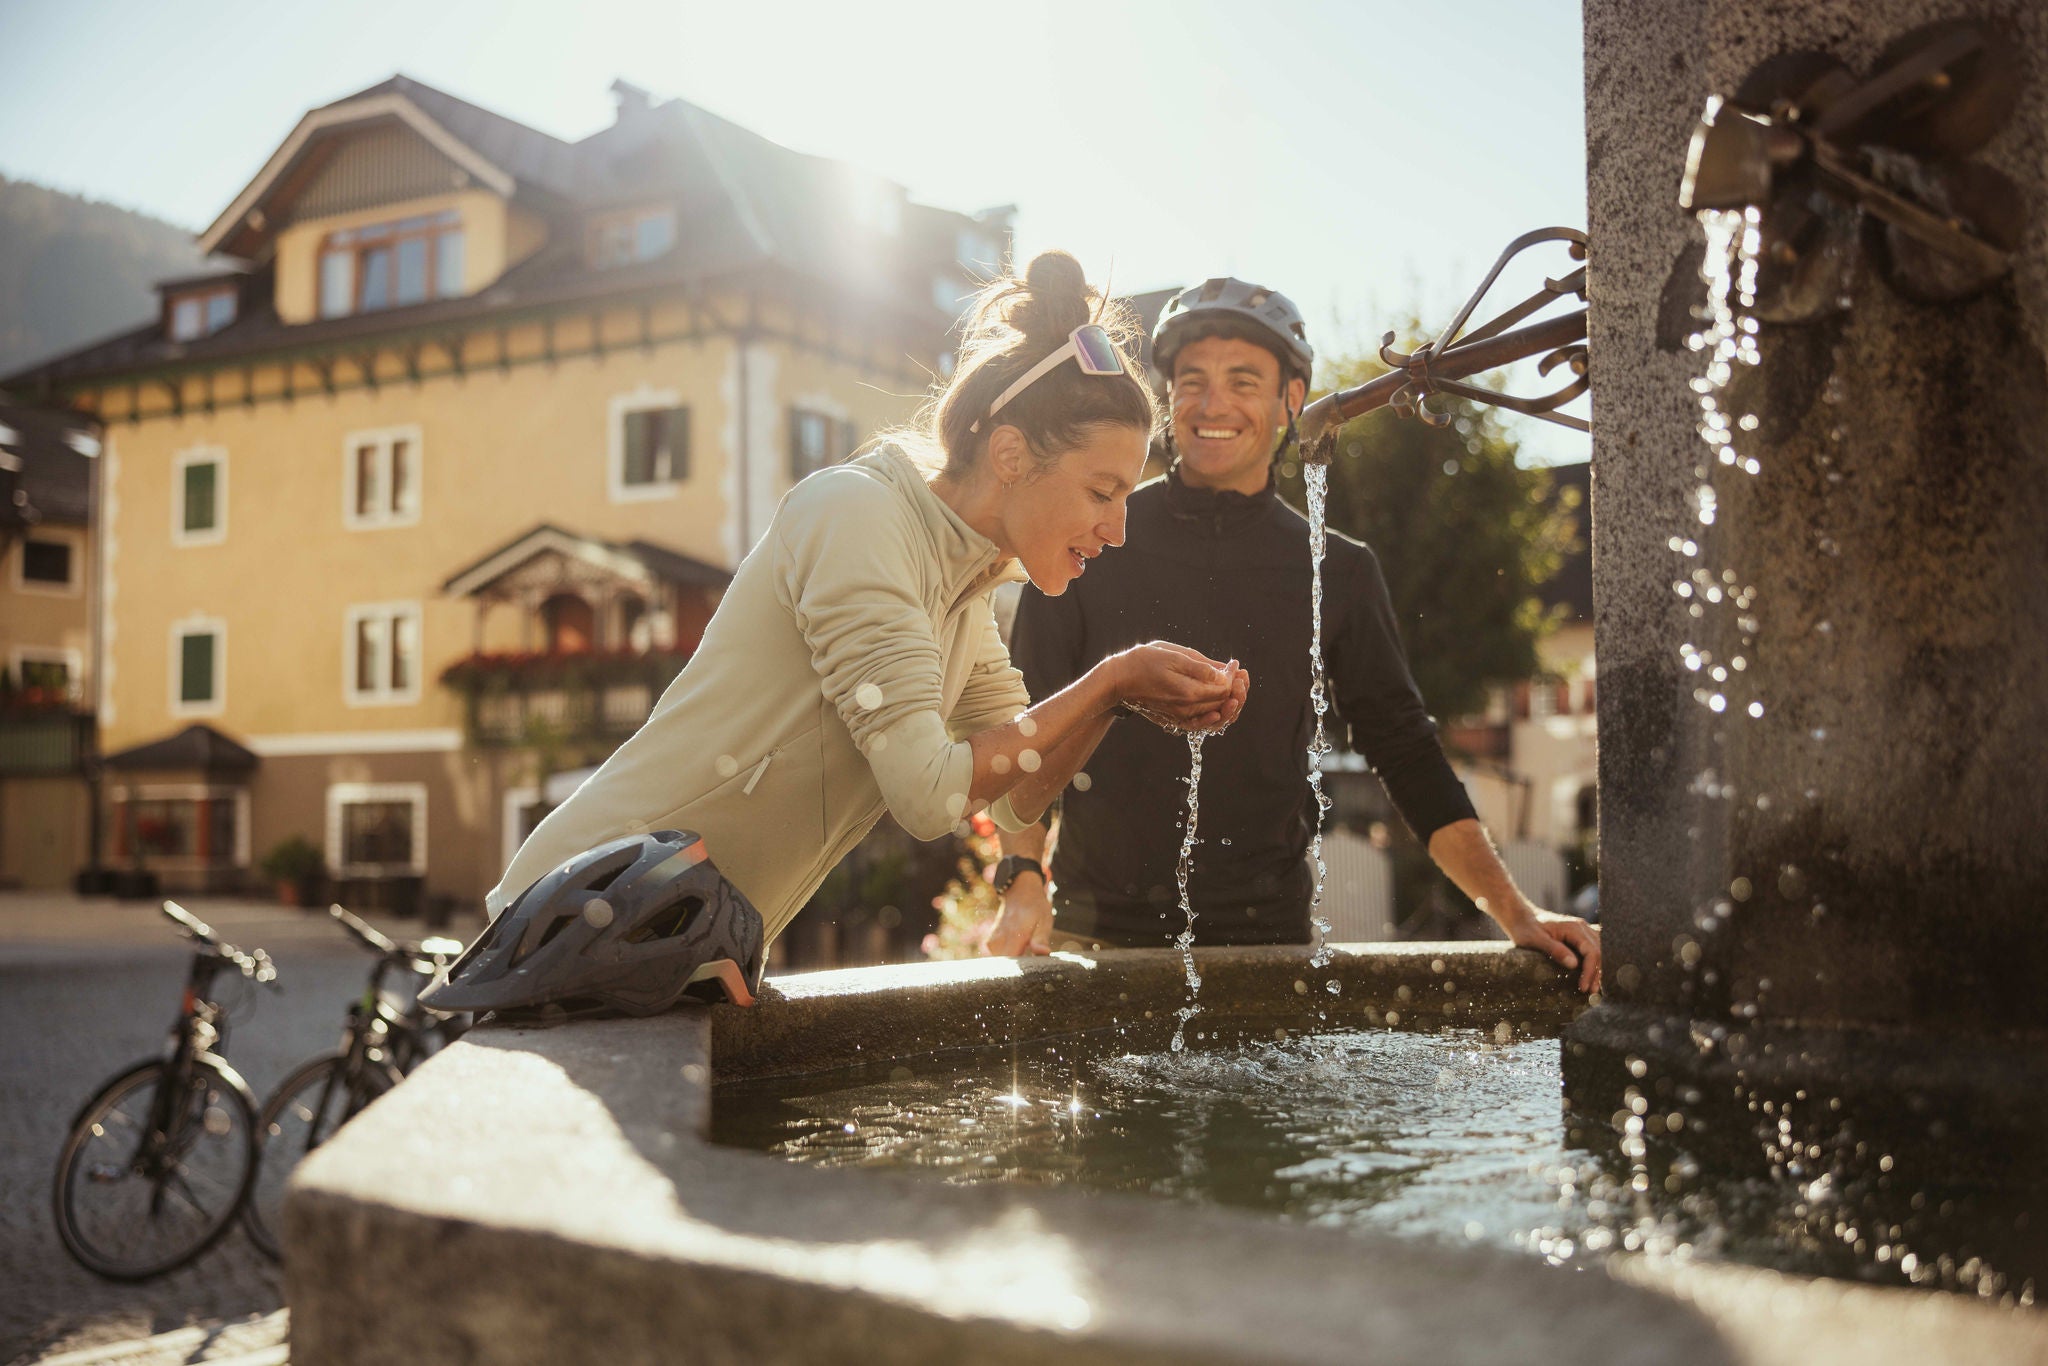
[(1226, 574)]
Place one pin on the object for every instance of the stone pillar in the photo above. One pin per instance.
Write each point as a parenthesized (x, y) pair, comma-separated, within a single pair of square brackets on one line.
[(1840, 902)]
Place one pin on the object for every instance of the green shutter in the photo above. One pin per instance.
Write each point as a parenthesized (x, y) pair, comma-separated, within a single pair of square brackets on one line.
[(195, 668), (200, 481)]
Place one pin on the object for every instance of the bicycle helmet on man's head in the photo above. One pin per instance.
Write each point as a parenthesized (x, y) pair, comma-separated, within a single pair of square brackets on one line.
[(634, 925), (1228, 307)]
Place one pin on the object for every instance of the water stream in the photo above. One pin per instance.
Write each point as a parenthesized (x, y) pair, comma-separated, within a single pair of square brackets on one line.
[(1317, 479), (1185, 941)]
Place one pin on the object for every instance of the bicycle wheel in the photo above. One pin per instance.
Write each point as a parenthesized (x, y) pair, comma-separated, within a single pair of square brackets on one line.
[(131, 1203), (301, 1114)]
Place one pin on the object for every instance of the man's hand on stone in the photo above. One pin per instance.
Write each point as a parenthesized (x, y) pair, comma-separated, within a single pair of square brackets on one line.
[(1024, 927), (1565, 938)]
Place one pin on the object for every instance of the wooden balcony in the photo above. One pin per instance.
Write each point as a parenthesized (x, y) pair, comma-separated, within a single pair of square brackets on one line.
[(546, 699)]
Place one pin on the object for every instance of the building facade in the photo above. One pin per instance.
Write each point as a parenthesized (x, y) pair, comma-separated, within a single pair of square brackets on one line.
[(420, 501), (46, 598)]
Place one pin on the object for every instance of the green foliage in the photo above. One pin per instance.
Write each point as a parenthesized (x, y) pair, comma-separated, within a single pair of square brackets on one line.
[(1465, 538), (293, 859), (73, 271)]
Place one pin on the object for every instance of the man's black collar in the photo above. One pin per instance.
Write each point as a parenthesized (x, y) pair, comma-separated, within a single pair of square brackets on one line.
[(1218, 509)]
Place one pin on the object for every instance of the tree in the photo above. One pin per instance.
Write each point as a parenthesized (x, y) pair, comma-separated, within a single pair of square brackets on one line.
[(1465, 537)]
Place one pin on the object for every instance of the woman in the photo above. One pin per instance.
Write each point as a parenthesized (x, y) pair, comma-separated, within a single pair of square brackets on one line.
[(854, 665)]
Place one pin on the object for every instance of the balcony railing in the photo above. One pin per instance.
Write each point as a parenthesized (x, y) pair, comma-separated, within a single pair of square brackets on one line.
[(529, 699), (43, 738)]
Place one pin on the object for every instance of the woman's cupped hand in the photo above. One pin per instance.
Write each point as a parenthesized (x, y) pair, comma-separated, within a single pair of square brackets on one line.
[(1183, 687)]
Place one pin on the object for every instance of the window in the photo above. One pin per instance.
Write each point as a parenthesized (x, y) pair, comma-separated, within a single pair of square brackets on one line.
[(650, 445), (46, 562), (47, 676), (202, 312), (200, 516), (817, 440), (198, 660), (377, 829), (1542, 698), (383, 654), (382, 265), (620, 239), (182, 824), (381, 473)]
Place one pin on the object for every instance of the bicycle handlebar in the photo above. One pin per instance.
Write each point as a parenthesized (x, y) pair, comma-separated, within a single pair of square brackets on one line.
[(423, 957), (254, 965)]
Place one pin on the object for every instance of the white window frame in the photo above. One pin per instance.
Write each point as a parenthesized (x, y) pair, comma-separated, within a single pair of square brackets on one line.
[(383, 438), (192, 626), (199, 455), (643, 399), (383, 695), (347, 794), (72, 660), (75, 585)]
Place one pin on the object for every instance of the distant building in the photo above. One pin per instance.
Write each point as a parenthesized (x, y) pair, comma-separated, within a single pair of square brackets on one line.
[(415, 505), (1529, 759), (46, 587)]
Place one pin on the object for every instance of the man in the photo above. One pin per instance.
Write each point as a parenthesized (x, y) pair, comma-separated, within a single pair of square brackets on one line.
[(1214, 559)]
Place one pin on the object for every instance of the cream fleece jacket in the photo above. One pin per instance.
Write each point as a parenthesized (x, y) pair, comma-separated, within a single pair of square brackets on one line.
[(852, 655)]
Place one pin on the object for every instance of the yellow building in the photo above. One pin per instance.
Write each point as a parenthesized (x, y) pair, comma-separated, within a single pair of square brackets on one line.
[(412, 509), (46, 557)]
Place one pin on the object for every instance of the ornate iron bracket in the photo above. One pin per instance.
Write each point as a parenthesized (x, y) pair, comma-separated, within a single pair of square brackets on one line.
[(1815, 152), (1440, 366)]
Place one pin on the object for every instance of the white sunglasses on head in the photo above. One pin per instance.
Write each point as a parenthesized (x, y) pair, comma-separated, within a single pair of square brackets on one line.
[(1088, 346)]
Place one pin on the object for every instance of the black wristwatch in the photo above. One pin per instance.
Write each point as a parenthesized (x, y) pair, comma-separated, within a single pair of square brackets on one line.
[(1008, 868)]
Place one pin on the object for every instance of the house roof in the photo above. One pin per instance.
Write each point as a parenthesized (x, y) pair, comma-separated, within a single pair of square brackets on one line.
[(195, 747), (745, 208), (45, 467), (643, 561)]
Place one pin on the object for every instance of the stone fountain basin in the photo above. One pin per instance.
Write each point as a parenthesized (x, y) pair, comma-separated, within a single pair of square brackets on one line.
[(547, 1195)]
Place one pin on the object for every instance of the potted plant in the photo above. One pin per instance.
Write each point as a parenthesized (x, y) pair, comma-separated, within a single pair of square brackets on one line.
[(295, 864)]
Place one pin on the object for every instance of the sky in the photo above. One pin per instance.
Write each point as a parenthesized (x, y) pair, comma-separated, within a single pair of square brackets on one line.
[(1368, 158)]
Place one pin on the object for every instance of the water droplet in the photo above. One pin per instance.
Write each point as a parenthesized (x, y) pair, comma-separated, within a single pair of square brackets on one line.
[(1000, 764), (597, 912), (1026, 727), (1332, 987), (1717, 703), (1300, 987), (1028, 761), (1756, 709), (726, 765), (867, 696), (1082, 782), (956, 803)]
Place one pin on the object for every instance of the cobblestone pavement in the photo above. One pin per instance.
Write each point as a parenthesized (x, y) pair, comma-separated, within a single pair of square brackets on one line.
[(86, 987)]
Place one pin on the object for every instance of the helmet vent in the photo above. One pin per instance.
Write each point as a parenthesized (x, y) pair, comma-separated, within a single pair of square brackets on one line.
[(1257, 297), (668, 923), (605, 874)]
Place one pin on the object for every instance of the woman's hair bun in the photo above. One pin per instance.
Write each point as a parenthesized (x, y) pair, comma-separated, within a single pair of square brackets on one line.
[(1055, 300)]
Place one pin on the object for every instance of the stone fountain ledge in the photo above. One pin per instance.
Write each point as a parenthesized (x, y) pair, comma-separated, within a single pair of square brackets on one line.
[(548, 1196)]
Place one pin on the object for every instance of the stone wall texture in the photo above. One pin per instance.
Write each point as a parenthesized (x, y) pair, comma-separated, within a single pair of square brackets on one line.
[(1869, 851)]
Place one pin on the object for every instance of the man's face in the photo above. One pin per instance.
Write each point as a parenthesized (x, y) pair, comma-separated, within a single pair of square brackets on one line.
[(1229, 408)]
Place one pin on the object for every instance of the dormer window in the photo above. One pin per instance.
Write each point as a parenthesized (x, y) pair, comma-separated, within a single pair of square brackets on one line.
[(387, 265), (620, 239), (201, 312)]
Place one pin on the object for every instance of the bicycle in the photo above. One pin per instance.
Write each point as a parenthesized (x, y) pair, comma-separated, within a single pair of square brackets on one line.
[(384, 1038), (166, 1151)]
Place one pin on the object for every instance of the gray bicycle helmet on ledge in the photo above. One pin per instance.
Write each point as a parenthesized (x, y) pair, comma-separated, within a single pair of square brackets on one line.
[(1231, 307), (634, 925)]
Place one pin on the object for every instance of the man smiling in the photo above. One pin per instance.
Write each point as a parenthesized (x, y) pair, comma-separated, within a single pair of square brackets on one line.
[(1214, 559)]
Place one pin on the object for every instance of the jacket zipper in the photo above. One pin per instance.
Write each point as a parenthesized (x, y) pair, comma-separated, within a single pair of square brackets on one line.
[(755, 776)]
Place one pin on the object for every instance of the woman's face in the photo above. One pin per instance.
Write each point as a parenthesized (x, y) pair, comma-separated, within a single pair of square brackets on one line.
[(1060, 517)]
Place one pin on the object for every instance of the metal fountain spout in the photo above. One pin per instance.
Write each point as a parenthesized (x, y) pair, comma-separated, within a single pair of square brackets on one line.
[(1816, 154), (1440, 366)]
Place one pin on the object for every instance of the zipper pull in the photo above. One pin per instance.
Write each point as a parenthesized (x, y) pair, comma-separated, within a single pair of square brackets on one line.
[(755, 776)]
